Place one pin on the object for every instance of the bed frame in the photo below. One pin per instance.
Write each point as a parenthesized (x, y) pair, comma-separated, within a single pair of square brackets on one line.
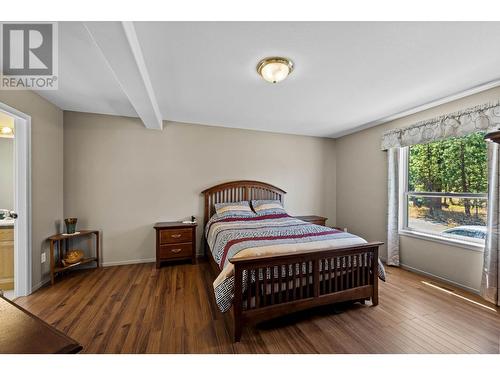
[(352, 275)]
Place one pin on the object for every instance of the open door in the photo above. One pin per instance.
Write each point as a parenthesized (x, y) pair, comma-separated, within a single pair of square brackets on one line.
[(15, 203), (7, 215)]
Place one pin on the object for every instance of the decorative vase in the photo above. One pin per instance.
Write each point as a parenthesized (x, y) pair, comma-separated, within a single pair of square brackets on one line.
[(70, 225)]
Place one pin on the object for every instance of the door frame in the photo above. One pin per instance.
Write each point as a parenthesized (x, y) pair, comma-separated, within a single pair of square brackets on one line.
[(22, 201)]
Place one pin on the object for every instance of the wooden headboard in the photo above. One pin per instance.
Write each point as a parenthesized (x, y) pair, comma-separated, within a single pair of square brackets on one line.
[(235, 191)]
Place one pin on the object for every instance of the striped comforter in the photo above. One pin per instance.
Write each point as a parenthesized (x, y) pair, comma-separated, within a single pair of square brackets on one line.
[(230, 237)]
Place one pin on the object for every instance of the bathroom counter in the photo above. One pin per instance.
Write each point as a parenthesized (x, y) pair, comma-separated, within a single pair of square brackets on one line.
[(7, 223)]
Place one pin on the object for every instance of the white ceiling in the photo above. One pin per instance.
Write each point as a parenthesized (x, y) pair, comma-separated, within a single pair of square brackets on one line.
[(347, 74)]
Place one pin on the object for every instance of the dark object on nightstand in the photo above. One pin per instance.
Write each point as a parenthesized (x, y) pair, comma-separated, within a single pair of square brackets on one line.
[(313, 219), (175, 241)]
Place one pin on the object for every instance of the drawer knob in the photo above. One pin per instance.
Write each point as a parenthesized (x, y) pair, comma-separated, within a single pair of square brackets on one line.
[(176, 250), (176, 235)]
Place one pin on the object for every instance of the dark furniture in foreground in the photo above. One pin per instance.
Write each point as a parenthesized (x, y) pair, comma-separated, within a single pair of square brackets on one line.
[(313, 219), (353, 276), (60, 243), (23, 333), (175, 241)]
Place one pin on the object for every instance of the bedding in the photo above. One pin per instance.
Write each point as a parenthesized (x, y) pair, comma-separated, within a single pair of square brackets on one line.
[(234, 209), (267, 207), (242, 236)]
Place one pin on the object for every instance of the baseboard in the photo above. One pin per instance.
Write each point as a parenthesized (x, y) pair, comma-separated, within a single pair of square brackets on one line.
[(125, 262), (443, 279), (39, 285)]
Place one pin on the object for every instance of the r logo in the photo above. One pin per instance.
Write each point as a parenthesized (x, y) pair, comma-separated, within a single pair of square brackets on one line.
[(27, 49)]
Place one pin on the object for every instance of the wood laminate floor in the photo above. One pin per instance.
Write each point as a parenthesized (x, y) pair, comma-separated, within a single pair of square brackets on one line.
[(138, 309)]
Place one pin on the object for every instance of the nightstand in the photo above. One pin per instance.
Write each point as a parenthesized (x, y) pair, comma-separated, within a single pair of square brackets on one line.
[(175, 241), (313, 219)]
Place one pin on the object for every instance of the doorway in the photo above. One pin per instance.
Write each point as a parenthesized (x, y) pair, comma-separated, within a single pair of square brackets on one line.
[(15, 203), (7, 221)]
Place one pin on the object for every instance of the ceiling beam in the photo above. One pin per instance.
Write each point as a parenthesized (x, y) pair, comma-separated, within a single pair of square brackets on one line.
[(120, 47)]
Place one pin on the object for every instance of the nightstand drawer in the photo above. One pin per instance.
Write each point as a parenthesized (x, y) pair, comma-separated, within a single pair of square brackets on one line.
[(182, 250), (174, 241), (168, 236)]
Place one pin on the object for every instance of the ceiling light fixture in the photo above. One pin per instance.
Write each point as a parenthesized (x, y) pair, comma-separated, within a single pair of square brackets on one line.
[(275, 69)]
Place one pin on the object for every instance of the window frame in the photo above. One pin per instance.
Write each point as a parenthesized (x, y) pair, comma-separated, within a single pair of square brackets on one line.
[(403, 193)]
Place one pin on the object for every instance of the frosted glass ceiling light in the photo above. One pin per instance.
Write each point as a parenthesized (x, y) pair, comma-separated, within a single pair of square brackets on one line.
[(275, 69)]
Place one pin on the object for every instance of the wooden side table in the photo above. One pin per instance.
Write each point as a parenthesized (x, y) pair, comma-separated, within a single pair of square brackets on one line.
[(60, 243), (175, 241), (313, 219)]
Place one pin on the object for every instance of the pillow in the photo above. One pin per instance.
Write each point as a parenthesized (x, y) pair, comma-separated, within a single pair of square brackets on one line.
[(381, 270), (234, 209), (267, 207)]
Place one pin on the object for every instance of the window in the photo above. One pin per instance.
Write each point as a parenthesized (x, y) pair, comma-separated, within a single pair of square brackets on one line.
[(444, 187)]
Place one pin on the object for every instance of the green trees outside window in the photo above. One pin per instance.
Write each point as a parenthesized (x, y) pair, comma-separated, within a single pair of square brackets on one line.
[(456, 165)]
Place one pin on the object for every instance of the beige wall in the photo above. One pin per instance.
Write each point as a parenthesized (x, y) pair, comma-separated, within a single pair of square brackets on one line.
[(7, 173), (362, 198), (46, 170), (121, 178)]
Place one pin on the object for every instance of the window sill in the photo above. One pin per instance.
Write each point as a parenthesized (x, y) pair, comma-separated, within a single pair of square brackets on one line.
[(443, 240)]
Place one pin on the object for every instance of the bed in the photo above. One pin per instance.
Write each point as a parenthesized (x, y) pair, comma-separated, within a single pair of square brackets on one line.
[(273, 265)]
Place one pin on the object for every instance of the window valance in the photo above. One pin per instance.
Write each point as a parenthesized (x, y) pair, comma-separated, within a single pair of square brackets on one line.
[(484, 117)]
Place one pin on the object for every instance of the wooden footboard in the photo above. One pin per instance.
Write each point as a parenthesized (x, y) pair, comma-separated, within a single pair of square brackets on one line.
[(270, 286)]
